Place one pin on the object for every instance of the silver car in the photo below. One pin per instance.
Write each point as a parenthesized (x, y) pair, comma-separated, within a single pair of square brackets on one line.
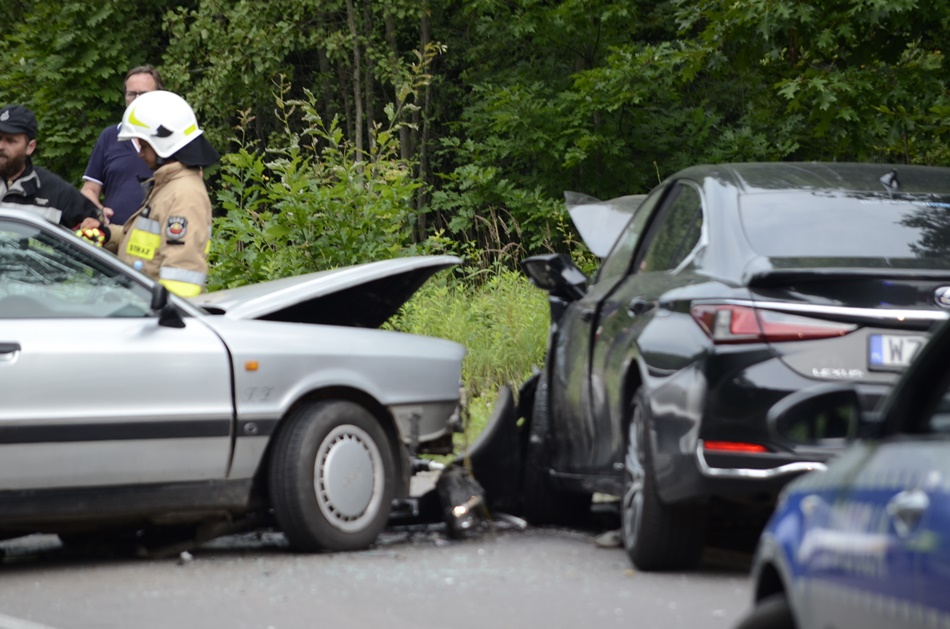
[(127, 410)]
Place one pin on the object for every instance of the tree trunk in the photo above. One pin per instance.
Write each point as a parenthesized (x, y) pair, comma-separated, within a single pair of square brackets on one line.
[(422, 122), (405, 141), (326, 80), (368, 78), (357, 71)]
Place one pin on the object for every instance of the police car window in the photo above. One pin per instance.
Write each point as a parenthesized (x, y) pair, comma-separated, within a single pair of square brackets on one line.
[(45, 276), (677, 232)]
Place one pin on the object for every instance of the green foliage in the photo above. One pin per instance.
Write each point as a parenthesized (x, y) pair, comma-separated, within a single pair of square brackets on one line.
[(503, 322), (252, 43), (225, 58), (521, 114), (505, 220), (309, 202), (66, 61), (854, 80)]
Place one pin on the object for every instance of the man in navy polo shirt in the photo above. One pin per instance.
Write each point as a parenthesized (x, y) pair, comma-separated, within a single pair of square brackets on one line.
[(113, 178)]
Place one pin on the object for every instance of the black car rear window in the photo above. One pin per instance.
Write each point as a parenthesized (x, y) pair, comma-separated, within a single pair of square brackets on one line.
[(877, 229)]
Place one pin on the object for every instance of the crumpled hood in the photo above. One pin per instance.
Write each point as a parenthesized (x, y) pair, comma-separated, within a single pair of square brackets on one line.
[(599, 223), (363, 295)]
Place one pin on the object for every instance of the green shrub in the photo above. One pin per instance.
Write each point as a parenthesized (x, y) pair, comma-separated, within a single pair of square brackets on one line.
[(309, 201), (502, 322)]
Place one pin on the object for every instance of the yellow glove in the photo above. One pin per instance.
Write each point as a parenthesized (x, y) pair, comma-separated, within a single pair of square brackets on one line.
[(93, 235)]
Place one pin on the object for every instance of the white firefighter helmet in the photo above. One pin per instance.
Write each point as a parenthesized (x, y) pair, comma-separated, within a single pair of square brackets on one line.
[(163, 119)]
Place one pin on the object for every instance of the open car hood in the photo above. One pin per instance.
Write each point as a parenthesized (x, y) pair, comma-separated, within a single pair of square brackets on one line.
[(363, 295), (599, 223)]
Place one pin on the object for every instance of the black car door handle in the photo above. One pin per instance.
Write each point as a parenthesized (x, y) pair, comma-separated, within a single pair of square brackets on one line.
[(906, 509), (638, 306), (587, 314), (9, 348)]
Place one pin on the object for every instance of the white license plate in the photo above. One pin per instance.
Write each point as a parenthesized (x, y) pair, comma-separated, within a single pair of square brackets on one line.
[(893, 351)]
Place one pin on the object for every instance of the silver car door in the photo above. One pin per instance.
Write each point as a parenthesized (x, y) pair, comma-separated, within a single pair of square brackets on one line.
[(95, 392)]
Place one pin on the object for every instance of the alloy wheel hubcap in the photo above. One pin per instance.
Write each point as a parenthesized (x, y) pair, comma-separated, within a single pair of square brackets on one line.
[(348, 480)]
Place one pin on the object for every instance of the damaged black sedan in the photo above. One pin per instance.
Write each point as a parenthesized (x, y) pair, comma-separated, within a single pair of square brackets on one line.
[(729, 287)]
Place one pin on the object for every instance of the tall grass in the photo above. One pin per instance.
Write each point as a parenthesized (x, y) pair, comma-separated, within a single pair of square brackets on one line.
[(502, 322)]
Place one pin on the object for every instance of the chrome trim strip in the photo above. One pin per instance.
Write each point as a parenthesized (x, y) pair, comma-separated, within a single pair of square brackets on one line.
[(751, 473), (844, 311)]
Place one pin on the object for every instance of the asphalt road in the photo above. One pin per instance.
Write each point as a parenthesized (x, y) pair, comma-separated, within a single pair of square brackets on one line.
[(413, 578)]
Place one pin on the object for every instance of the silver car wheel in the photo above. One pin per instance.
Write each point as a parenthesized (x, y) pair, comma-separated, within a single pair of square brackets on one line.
[(348, 478), (333, 476)]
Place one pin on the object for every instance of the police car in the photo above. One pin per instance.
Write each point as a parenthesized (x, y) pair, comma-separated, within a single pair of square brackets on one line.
[(864, 543)]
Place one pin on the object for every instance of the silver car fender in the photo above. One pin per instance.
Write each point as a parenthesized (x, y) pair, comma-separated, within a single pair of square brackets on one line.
[(274, 364)]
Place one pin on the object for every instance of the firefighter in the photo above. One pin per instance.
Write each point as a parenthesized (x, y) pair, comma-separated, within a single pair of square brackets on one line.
[(168, 237)]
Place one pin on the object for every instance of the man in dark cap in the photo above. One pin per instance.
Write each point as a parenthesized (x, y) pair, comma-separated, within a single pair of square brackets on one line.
[(28, 187)]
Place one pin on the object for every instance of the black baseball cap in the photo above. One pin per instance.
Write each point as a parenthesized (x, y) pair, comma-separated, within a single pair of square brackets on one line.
[(18, 119)]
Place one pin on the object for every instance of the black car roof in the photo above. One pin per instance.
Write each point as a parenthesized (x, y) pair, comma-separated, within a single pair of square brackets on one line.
[(859, 177)]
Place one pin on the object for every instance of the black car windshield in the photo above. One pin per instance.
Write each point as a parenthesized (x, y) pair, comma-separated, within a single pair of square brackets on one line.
[(848, 229)]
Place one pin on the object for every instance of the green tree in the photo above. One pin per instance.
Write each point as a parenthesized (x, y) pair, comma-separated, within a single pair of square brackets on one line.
[(860, 79), (66, 62)]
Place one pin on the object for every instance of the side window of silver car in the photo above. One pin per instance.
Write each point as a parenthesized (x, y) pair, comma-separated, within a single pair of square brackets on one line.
[(45, 275)]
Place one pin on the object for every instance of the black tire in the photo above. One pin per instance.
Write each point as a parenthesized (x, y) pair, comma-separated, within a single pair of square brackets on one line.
[(656, 536), (331, 477), (772, 612), (542, 502)]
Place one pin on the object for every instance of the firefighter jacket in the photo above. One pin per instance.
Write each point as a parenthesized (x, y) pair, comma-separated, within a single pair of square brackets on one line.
[(168, 238)]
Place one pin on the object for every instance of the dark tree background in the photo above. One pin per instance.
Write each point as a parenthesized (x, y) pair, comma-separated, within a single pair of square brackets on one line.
[(498, 107)]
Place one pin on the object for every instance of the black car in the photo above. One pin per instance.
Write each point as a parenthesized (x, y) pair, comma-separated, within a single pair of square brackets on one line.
[(730, 287)]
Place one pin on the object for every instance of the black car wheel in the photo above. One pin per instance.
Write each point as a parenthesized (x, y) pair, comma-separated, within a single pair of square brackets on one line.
[(772, 612), (542, 502), (331, 477), (656, 536)]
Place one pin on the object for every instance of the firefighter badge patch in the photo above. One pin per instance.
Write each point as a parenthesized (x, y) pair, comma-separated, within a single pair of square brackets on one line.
[(177, 227)]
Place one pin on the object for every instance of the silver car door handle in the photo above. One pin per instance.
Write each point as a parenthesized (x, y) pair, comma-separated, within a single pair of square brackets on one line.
[(906, 509)]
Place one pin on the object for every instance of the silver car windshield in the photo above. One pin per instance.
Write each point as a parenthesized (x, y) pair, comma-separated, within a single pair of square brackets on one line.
[(43, 275)]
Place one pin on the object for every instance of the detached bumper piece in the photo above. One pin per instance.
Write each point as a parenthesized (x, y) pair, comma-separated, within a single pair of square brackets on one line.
[(462, 499)]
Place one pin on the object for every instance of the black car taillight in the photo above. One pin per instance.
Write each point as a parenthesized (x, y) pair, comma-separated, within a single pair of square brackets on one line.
[(734, 446), (727, 323)]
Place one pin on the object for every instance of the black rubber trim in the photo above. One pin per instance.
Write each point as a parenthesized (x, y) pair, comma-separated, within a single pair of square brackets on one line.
[(256, 427), (101, 503), (119, 431)]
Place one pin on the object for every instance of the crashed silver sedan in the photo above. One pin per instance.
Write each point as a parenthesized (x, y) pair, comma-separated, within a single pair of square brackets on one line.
[(128, 411)]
